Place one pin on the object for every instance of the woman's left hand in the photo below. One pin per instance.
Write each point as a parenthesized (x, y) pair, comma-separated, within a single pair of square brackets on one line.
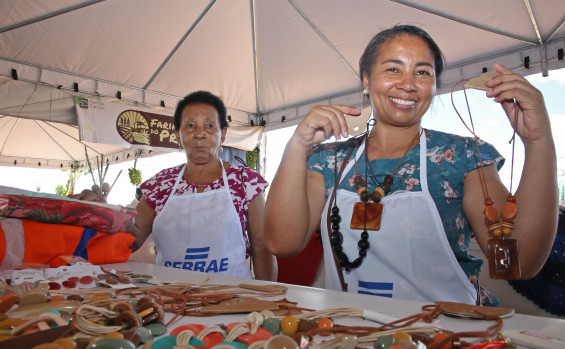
[(522, 102)]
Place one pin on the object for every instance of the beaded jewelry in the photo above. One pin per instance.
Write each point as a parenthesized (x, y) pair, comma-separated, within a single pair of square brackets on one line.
[(366, 215), (503, 251)]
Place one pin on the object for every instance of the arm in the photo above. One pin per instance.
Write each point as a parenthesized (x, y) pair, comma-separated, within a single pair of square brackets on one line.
[(143, 224), (536, 195), (264, 263), (296, 197)]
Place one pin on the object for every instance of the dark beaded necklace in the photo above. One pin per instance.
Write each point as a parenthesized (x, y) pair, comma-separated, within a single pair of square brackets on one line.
[(383, 188), (336, 237)]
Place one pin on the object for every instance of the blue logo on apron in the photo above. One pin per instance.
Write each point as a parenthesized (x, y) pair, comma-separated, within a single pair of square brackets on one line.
[(196, 259), (375, 288)]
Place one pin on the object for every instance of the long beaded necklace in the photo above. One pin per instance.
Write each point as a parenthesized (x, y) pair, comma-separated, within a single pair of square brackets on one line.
[(504, 262), (366, 215)]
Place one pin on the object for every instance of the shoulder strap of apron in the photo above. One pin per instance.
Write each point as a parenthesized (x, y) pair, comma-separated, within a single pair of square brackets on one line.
[(246, 232), (332, 199)]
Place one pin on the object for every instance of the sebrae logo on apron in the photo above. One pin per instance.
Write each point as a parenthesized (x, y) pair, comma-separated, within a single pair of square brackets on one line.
[(196, 259)]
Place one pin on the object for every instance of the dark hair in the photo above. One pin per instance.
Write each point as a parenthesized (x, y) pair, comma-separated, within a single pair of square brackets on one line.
[(203, 97), (372, 50)]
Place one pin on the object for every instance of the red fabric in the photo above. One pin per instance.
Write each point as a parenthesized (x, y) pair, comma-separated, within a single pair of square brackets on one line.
[(65, 211), (301, 269)]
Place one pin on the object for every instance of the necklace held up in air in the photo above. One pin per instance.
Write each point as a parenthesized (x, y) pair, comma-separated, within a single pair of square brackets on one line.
[(504, 262), (366, 215)]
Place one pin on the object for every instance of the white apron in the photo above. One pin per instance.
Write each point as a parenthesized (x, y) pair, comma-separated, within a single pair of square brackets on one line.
[(201, 232), (409, 257)]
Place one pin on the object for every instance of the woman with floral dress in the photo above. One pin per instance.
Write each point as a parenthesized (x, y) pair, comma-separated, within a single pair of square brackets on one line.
[(398, 206)]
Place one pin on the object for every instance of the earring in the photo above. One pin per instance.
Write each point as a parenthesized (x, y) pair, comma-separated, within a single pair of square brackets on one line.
[(221, 149), (365, 97)]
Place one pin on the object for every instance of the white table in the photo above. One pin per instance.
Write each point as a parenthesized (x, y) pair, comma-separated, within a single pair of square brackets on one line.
[(315, 298)]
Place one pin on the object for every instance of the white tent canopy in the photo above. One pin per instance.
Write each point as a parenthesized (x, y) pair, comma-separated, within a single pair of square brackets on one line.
[(266, 59)]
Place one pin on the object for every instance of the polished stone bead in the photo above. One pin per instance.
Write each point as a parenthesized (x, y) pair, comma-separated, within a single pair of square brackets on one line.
[(289, 325), (363, 244), (336, 238), (335, 219), (356, 263), (364, 195), (272, 325), (362, 253), (157, 329), (325, 323), (342, 258), (144, 333), (335, 210), (335, 226), (365, 235), (383, 342), (305, 325), (401, 335)]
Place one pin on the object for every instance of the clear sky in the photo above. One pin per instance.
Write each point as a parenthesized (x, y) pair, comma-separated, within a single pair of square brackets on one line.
[(490, 122)]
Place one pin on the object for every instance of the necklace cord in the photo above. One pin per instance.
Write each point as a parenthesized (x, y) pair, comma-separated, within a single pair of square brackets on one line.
[(329, 213), (373, 177), (476, 138)]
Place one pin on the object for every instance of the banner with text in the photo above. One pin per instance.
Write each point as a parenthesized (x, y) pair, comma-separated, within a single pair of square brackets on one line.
[(103, 121)]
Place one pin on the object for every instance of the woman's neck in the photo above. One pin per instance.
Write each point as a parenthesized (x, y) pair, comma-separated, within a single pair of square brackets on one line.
[(392, 142), (203, 173)]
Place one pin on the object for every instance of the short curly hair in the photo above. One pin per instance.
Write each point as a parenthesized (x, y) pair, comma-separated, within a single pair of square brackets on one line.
[(203, 97)]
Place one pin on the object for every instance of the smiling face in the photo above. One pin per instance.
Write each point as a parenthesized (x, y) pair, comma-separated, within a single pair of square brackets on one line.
[(200, 133), (402, 82)]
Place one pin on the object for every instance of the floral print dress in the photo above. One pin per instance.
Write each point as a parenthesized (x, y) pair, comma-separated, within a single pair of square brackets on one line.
[(450, 158)]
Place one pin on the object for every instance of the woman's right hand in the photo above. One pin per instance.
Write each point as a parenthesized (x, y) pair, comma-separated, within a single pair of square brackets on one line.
[(321, 123)]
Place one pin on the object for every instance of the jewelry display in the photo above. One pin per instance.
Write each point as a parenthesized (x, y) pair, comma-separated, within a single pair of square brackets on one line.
[(136, 317)]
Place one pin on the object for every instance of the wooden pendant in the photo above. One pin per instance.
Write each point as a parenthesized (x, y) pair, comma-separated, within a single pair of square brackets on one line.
[(373, 214), (503, 259)]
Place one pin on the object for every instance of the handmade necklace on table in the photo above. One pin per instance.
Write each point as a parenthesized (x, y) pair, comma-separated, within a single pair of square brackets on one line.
[(503, 259), (366, 215)]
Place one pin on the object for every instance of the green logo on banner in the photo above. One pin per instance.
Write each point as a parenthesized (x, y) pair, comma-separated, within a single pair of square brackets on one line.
[(82, 102)]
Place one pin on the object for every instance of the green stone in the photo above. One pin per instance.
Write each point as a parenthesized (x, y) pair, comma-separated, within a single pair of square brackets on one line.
[(157, 329), (272, 325), (383, 342), (144, 333)]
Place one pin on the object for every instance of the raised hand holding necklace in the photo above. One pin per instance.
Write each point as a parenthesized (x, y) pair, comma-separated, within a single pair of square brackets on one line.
[(503, 259)]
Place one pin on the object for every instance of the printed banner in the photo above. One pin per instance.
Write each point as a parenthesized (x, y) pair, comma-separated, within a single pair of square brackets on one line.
[(108, 122), (103, 120)]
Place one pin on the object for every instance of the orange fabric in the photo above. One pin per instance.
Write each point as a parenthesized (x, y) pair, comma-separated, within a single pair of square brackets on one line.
[(109, 248), (44, 243)]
